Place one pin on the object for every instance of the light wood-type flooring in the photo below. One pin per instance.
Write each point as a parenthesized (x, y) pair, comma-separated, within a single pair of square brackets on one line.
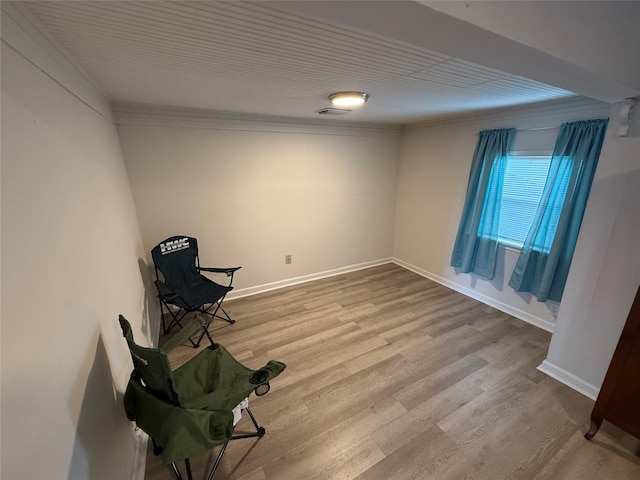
[(391, 376)]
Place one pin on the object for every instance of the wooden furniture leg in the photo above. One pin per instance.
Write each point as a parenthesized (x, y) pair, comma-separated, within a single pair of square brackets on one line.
[(595, 426)]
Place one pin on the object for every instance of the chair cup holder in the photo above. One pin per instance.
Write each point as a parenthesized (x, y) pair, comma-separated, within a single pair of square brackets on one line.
[(262, 389), (259, 376)]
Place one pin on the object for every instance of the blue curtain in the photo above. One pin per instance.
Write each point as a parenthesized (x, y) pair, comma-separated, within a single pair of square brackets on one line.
[(543, 264), (476, 243)]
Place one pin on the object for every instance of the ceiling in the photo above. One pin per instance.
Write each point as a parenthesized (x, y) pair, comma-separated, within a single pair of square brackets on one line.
[(418, 61)]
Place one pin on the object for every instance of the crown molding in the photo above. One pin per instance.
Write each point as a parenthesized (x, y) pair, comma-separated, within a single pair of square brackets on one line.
[(167, 116), (23, 32)]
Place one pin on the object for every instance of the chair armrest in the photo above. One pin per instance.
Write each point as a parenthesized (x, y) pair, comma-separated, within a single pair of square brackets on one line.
[(229, 271), (192, 327), (263, 375), (271, 370)]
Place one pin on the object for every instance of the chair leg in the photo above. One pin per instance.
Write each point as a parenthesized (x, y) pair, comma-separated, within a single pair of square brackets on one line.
[(226, 317), (175, 318), (187, 465), (164, 326), (213, 315), (260, 431), (176, 471), (205, 331), (215, 465)]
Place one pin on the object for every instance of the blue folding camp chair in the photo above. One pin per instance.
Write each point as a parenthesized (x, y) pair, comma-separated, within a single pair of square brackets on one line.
[(183, 288)]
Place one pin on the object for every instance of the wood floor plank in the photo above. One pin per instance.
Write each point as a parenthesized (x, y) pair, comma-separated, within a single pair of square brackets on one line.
[(391, 376), (599, 459), (425, 415), (413, 461), (429, 385)]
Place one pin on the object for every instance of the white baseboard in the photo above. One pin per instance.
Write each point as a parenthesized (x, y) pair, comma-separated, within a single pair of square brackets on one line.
[(267, 287), (569, 379), (503, 307), (141, 441)]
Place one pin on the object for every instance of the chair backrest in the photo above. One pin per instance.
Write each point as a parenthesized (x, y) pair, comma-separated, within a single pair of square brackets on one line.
[(177, 259), (152, 366)]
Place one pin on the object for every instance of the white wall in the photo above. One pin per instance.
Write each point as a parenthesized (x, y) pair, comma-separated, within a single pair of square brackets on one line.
[(605, 271), (252, 195), (432, 181), (599, 38), (70, 264)]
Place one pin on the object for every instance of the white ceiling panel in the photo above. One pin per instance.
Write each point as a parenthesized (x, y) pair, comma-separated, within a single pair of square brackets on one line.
[(265, 58)]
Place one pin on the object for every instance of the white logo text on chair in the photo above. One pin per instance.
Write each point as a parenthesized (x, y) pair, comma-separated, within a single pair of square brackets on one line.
[(170, 247)]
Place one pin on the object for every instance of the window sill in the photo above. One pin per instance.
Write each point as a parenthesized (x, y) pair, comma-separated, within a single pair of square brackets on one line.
[(510, 246)]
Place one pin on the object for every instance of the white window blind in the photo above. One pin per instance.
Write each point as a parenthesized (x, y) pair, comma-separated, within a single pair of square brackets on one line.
[(524, 181)]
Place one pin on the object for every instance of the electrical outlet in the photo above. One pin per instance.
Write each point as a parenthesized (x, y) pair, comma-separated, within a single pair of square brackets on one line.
[(287, 259)]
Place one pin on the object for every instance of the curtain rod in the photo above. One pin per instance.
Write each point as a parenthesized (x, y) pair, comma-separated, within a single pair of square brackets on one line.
[(535, 129), (532, 129)]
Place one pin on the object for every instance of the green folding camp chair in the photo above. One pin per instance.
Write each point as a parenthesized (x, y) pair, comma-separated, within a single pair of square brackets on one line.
[(191, 410)]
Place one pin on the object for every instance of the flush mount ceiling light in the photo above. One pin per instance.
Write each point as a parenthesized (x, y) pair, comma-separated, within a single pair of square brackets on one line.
[(348, 99)]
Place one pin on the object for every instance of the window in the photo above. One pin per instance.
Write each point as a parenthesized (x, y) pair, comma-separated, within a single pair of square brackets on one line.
[(522, 188)]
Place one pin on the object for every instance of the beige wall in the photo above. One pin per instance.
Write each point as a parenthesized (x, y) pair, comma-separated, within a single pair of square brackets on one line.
[(70, 250), (605, 272), (252, 196), (73, 256), (432, 181)]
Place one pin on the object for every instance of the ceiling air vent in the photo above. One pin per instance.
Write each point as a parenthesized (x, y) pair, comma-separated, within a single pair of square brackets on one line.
[(333, 111)]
